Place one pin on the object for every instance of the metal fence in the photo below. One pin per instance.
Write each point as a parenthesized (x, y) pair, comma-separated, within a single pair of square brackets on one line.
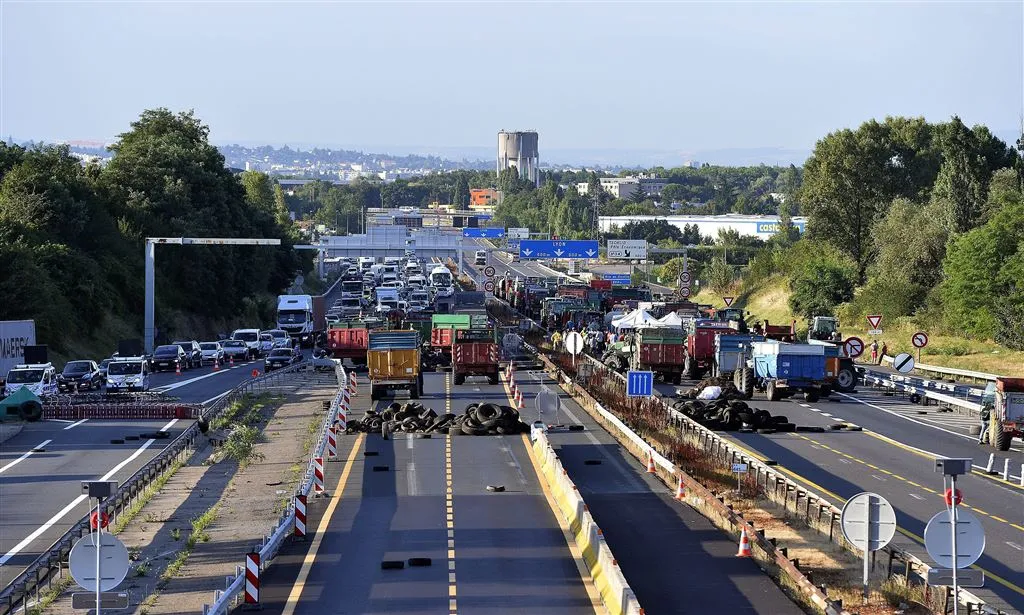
[(40, 574)]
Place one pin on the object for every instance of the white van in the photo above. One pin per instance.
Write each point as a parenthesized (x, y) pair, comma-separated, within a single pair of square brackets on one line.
[(128, 374), (40, 378), (480, 258), (251, 337), (365, 262)]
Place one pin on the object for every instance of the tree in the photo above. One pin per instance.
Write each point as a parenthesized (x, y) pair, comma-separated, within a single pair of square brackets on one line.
[(820, 287), (963, 177), (719, 275), (638, 195), (460, 194), (653, 231)]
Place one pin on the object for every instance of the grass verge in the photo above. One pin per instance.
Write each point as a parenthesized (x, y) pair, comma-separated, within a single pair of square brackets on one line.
[(133, 511), (198, 534)]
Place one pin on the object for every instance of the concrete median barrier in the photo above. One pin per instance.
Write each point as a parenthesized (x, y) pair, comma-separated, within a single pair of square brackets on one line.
[(615, 592)]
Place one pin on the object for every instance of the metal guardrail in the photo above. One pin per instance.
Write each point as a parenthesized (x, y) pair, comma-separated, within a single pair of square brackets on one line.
[(949, 371), (224, 600), (818, 512), (39, 575), (898, 383)]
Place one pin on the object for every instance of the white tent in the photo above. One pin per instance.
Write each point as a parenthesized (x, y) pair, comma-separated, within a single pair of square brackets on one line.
[(672, 320), (637, 319)]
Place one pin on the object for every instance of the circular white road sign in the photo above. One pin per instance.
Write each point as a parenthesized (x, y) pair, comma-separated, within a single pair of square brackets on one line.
[(113, 562), (920, 339), (904, 363), (970, 538), (868, 521)]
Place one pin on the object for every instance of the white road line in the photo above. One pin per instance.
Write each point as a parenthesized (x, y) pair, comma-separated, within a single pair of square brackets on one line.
[(58, 421), (816, 409), (23, 457), (18, 548), (844, 460), (915, 496), (806, 405), (171, 387), (1015, 545), (75, 424), (924, 423), (881, 478), (825, 414), (216, 397), (836, 418)]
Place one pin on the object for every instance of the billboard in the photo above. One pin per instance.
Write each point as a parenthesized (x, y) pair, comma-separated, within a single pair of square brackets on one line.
[(14, 336)]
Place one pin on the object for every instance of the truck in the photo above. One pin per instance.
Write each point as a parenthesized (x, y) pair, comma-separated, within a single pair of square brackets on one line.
[(475, 353), (442, 335), (348, 340), (781, 369), (1006, 418), (14, 336), (824, 331), (303, 317), (393, 360), (700, 346), (658, 350)]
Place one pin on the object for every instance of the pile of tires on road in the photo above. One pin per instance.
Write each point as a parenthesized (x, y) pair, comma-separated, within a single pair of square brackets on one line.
[(732, 415), (413, 417)]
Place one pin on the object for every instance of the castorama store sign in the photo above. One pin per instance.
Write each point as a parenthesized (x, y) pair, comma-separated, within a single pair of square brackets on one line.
[(770, 228)]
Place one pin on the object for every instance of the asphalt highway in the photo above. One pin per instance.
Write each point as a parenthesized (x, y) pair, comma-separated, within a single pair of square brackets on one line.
[(675, 560), (41, 491), (894, 456), (489, 552)]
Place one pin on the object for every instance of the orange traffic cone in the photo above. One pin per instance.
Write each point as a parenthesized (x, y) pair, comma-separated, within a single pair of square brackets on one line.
[(744, 545), (355, 383), (177, 369), (519, 400), (216, 364), (231, 360), (650, 463), (680, 490)]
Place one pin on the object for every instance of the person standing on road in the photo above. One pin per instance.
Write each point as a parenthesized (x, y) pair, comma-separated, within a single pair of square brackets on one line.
[(874, 352), (986, 413), (556, 341), (885, 351)]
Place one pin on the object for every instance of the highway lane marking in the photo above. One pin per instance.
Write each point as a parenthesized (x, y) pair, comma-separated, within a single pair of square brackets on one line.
[(909, 482), (828, 492), (223, 370), (321, 530), (24, 457), (570, 542), (978, 470), (216, 397), (449, 501), (916, 497), (635, 483), (18, 548), (1013, 545), (75, 424)]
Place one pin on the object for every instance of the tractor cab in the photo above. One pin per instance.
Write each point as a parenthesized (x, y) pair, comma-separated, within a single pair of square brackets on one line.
[(824, 328)]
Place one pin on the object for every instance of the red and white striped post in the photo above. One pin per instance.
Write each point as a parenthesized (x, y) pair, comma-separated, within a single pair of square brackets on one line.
[(352, 386), (332, 444), (252, 578), (318, 475), (342, 419), (300, 516)]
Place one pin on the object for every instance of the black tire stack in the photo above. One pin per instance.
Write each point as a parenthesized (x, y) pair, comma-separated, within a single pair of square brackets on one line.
[(732, 415), (413, 417)]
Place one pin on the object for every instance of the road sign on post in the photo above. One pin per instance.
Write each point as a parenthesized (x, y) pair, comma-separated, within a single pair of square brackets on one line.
[(684, 292), (489, 286), (970, 538), (617, 279), (904, 363), (517, 233), (639, 384), (728, 301), (854, 347), (875, 320), (627, 249), (112, 561), (539, 248), (920, 339), (869, 523), (684, 277), (489, 271), (574, 343)]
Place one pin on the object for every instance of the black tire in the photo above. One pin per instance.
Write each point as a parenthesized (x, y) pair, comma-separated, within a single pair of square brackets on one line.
[(459, 378), (785, 427), (999, 438), (746, 385), (493, 378), (30, 411), (810, 396), (771, 392), (778, 420), (846, 379), (747, 417), (762, 418), (414, 390), (374, 393), (473, 431), (486, 412)]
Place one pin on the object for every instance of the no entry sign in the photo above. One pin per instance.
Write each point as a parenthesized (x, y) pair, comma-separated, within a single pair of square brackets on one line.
[(920, 339), (854, 347)]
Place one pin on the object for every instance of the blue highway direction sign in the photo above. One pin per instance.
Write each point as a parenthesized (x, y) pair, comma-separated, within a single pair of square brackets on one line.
[(537, 248), (617, 279), (486, 232), (639, 384)]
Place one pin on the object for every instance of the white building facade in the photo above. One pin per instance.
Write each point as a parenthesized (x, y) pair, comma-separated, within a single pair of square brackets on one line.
[(750, 226)]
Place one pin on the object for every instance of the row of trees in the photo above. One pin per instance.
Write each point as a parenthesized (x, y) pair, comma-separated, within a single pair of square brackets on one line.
[(71, 236), (923, 219)]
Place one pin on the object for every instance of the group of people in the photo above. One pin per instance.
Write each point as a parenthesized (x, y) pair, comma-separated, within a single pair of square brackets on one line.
[(595, 338)]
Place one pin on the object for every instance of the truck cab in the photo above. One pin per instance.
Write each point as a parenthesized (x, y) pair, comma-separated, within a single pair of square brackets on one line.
[(39, 378), (480, 258)]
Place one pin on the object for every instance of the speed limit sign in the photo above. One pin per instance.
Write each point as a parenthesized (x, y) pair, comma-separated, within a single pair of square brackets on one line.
[(489, 271), (489, 286), (684, 292), (684, 277)]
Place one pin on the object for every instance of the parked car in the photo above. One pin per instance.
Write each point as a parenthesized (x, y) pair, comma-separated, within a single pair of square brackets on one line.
[(212, 352), (266, 343), (193, 352), (281, 338), (80, 376), (282, 357), (251, 337), (103, 368), (235, 349), (170, 357)]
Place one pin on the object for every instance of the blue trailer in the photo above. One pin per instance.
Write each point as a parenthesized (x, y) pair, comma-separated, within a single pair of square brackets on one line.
[(732, 353), (781, 370)]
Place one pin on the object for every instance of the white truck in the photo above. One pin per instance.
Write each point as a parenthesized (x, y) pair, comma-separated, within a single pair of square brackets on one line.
[(441, 281), (303, 317)]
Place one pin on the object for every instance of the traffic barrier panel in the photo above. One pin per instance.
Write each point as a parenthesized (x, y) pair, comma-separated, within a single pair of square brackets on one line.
[(300, 515), (332, 444), (252, 578), (318, 475)]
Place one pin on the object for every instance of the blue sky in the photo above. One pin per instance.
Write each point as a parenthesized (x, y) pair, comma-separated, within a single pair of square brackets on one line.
[(668, 76)]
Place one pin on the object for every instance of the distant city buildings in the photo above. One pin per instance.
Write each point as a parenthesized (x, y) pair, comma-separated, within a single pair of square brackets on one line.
[(626, 187)]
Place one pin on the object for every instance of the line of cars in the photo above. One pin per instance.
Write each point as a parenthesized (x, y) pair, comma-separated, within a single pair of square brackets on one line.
[(394, 283), (132, 371)]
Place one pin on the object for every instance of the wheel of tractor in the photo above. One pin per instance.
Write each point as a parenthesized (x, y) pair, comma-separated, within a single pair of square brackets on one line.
[(810, 396), (459, 378), (374, 393), (772, 392), (846, 380), (999, 438), (746, 385)]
